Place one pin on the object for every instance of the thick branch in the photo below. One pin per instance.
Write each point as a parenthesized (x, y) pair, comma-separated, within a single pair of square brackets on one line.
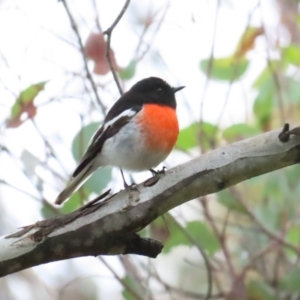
[(109, 227)]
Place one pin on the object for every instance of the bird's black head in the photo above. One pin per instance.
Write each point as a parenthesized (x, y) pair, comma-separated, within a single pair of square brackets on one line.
[(149, 90), (156, 90)]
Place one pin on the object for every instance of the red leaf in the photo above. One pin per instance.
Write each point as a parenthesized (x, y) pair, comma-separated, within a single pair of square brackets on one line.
[(95, 49)]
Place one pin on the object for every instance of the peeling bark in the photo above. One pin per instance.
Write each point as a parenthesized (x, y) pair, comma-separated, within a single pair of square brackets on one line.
[(109, 226)]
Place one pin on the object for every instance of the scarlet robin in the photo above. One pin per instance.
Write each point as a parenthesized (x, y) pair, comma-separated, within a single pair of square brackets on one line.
[(138, 133)]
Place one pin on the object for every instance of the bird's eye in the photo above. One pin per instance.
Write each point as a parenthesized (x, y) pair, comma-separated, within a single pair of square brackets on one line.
[(160, 91)]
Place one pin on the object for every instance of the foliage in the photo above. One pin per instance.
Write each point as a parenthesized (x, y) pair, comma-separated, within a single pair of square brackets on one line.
[(246, 237), (24, 105)]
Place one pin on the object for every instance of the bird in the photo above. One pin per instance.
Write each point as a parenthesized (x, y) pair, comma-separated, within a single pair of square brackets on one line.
[(138, 133)]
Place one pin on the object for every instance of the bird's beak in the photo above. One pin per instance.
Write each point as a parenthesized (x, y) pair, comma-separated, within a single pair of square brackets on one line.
[(176, 89)]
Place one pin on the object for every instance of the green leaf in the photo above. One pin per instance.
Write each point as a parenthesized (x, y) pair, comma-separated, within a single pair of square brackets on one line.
[(189, 136), (72, 204), (291, 54), (228, 68), (48, 212), (82, 139), (267, 73), (291, 91), (24, 104), (269, 215), (98, 181), (226, 199), (29, 94), (259, 290), (277, 188), (176, 238), (199, 232), (203, 234), (129, 71), (292, 174), (239, 132), (293, 237), (290, 281)]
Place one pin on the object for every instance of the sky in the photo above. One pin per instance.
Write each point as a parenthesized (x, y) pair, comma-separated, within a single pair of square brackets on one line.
[(38, 44)]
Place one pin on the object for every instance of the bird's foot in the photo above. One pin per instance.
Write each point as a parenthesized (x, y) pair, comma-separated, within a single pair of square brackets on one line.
[(159, 172), (156, 175), (130, 187), (127, 187)]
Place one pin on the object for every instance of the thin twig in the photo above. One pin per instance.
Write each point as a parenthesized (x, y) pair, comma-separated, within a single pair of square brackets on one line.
[(221, 238), (108, 32), (262, 227), (49, 153), (19, 190), (151, 42), (121, 281), (274, 72), (204, 256), (45, 203), (97, 16), (210, 62), (192, 294), (259, 255), (183, 292), (208, 74), (235, 68), (133, 272), (88, 73)]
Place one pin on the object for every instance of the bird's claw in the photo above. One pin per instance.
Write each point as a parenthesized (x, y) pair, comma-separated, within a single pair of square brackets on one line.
[(159, 172)]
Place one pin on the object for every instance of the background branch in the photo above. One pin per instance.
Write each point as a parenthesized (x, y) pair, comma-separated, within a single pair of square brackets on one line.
[(88, 73), (108, 32)]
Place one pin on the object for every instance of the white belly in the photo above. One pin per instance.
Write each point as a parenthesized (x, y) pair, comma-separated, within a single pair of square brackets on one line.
[(128, 151)]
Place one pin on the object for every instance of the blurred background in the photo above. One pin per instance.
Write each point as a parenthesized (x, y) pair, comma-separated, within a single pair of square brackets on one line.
[(239, 61)]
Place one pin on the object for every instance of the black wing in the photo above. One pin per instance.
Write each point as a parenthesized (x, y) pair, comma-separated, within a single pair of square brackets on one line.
[(103, 133)]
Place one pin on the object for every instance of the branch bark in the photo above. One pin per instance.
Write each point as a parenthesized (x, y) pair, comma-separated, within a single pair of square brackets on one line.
[(109, 226)]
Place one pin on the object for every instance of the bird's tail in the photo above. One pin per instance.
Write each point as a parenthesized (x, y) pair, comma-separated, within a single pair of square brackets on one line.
[(75, 184)]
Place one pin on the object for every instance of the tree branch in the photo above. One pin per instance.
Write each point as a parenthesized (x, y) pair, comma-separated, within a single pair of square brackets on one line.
[(88, 73), (109, 226), (108, 32)]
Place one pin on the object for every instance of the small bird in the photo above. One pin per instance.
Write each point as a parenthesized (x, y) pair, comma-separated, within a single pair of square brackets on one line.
[(138, 133)]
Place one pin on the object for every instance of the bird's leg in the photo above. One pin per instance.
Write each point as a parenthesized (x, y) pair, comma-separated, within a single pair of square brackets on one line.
[(124, 181), (153, 172), (126, 185)]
